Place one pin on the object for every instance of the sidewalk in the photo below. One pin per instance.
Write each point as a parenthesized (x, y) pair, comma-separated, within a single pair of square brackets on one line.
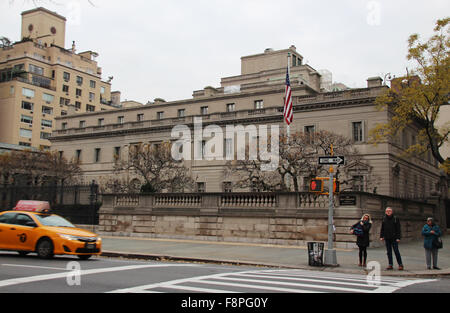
[(413, 255)]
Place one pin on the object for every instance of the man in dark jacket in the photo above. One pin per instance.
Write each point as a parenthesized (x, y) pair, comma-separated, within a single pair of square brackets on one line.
[(391, 234)]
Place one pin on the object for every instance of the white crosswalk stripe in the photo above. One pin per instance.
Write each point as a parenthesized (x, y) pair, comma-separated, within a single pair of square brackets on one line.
[(291, 281)]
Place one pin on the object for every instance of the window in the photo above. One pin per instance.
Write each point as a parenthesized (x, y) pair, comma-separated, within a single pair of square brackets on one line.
[(92, 83), (140, 117), (65, 88), (202, 148), (36, 69), (64, 125), (24, 144), (102, 90), (7, 218), (45, 135), (63, 112), (26, 133), (78, 92), (64, 101), (230, 107), (22, 219), (229, 153), (101, 121), (82, 124), (27, 105), (358, 183), (227, 186), (116, 153), (66, 76), (47, 97), (91, 96), (78, 104), (28, 92), (97, 155), (201, 187), (47, 110), (79, 80), (204, 110), (90, 108), (181, 113), (259, 104), (159, 115), (120, 120), (357, 131), (46, 123), (78, 155), (26, 119), (309, 132)]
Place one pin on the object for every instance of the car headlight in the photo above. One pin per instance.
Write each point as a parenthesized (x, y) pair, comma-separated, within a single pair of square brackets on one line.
[(68, 237)]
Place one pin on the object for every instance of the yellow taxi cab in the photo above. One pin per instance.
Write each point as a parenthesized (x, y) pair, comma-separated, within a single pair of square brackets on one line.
[(29, 227)]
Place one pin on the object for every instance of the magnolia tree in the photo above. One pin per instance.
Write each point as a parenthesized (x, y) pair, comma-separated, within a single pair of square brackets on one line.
[(154, 167), (298, 159)]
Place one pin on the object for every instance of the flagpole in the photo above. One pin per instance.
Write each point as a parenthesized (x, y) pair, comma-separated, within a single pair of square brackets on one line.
[(288, 130)]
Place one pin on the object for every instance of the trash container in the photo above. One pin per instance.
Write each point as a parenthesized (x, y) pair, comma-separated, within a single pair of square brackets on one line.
[(315, 253)]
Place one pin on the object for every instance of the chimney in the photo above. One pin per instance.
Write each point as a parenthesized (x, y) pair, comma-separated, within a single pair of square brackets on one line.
[(374, 82)]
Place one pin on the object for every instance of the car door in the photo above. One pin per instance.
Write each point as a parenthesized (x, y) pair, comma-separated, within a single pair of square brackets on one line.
[(6, 223), (22, 232)]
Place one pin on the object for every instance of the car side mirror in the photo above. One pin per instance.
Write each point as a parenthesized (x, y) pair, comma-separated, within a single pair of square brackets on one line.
[(30, 223)]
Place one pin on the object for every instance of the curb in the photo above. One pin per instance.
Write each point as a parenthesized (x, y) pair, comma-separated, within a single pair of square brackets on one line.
[(160, 257)]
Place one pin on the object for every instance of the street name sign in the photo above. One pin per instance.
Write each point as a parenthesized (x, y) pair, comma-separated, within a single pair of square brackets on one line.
[(332, 160)]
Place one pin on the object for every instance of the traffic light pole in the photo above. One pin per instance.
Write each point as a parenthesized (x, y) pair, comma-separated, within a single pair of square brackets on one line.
[(330, 253)]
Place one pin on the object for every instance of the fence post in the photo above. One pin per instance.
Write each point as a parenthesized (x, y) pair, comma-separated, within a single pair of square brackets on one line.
[(93, 200)]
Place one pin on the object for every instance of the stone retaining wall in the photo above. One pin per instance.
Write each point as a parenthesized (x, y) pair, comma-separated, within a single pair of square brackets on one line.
[(272, 218)]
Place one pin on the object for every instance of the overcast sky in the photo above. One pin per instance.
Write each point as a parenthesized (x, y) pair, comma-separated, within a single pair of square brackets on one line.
[(167, 49)]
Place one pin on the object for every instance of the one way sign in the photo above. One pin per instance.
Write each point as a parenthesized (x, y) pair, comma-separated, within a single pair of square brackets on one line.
[(332, 160)]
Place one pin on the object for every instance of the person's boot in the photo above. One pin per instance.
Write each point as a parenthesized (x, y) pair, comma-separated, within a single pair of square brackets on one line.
[(389, 268), (400, 267)]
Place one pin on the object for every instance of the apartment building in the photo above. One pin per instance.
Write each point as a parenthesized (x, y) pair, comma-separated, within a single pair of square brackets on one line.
[(40, 79)]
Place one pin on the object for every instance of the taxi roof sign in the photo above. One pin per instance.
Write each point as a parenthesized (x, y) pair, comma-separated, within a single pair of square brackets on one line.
[(33, 206)]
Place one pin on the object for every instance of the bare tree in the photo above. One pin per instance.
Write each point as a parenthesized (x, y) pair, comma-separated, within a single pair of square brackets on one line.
[(155, 166), (298, 157), (37, 167)]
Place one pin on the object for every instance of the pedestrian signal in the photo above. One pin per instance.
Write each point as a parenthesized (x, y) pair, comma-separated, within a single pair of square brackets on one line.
[(316, 185)]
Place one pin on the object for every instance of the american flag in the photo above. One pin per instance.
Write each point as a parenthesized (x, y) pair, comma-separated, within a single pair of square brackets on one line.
[(287, 111)]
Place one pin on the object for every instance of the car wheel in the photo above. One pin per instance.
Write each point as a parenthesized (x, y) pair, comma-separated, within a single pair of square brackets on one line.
[(44, 249), (23, 253), (85, 256)]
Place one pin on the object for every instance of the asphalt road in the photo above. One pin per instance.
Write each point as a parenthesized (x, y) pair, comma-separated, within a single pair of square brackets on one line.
[(65, 274)]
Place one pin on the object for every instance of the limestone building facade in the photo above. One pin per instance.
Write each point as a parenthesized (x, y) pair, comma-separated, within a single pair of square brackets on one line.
[(255, 97)]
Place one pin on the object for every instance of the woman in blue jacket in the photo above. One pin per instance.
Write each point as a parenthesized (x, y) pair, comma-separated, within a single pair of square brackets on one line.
[(431, 231)]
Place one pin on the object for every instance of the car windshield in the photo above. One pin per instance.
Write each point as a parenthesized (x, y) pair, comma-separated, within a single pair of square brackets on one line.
[(54, 220)]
